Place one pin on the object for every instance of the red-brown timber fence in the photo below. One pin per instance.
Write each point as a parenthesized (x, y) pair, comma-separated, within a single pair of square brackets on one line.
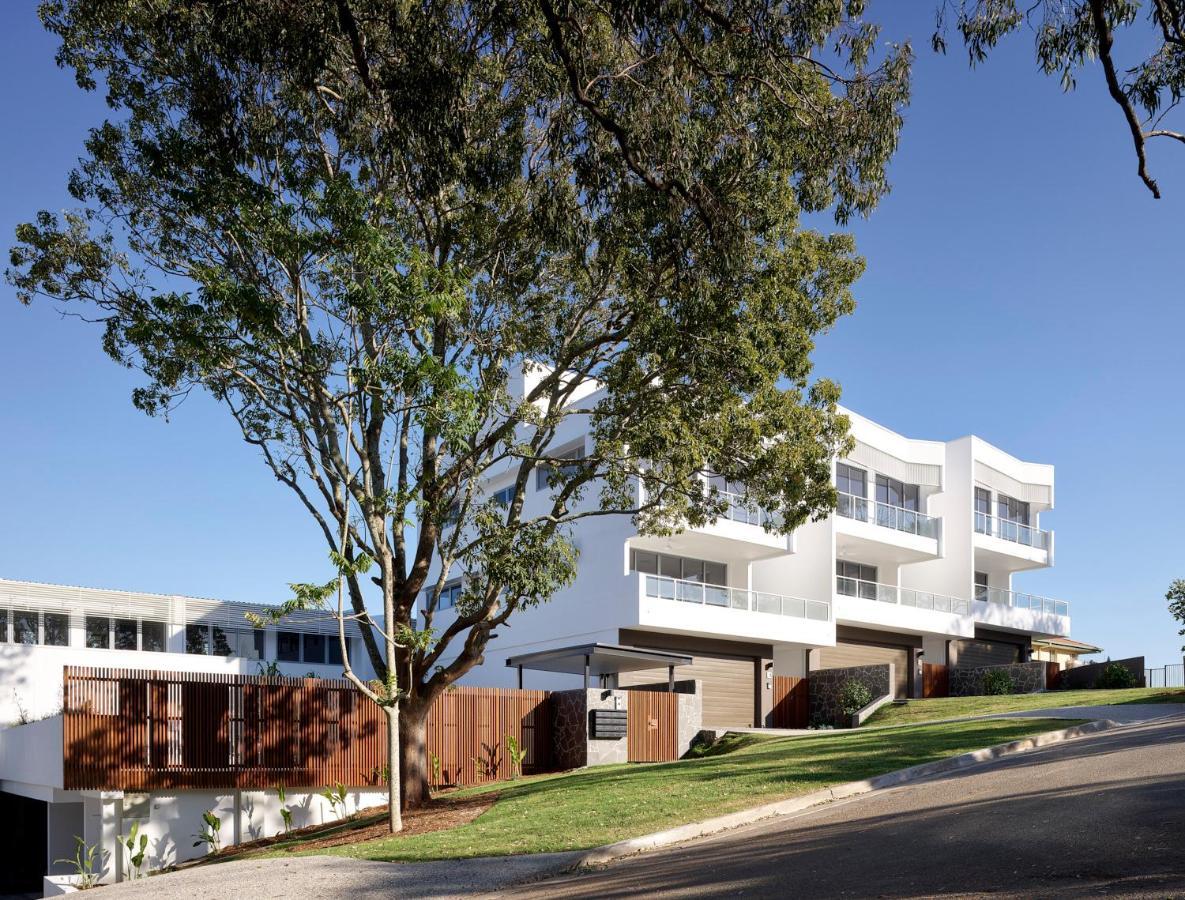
[(135, 729), (791, 702), (935, 680)]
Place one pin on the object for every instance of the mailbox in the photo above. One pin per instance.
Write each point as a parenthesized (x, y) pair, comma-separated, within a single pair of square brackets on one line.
[(607, 724)]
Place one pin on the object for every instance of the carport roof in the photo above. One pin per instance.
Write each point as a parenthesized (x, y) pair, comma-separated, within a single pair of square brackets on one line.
[(601, 659)]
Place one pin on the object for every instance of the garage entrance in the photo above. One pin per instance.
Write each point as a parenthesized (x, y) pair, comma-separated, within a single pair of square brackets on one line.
[(23, 837)]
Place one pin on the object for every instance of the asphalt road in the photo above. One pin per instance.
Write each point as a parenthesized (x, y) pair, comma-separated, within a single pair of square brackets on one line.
[(1102, 815)]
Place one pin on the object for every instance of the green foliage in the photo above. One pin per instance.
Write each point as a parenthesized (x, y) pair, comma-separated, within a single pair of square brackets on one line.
[(997, 681), (854, 696), (1176, 600), (1114, 676), (209, 832), (395, 240), (1070, 35), (137, 847), (269, 669), (337, 796), (517, 754), (83, 863), (285, 812), (436, 777)]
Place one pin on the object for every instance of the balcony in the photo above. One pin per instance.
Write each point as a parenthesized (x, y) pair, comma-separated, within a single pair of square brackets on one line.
[(1024, 612), (881, 534), (891, 593), (900, 609), (898, 518), (676, 605), (1016, 532), (738, 511)]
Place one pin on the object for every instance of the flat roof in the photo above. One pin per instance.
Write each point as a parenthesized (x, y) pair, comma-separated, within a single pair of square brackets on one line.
[(603, 659)]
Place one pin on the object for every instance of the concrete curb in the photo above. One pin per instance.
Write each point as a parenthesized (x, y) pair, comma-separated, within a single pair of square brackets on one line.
[(600, 856)]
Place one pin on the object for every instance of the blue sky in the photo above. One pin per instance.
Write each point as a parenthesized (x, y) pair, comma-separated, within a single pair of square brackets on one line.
[(1022, 285)]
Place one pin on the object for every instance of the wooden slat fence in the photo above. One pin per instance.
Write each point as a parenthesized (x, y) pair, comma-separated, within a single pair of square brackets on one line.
[(791, 702), (935, 680), (136, 729), (1053, 675), (468, 729), (652, 726)]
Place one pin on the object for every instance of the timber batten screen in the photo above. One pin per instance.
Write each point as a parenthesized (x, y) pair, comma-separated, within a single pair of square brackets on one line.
[(135, 729)]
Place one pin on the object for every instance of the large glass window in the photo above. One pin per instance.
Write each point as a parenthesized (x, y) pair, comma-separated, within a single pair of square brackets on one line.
[(1012, 510), (221, 644), (314, 649), (682, 567), (287, 646), (197, 639), (896, 493), (98, 632), (4, 635), (152, 636), (259, 639), (56, 630), (853, 579), (850, 480), (24, 628), (123, 634), (543, 471), (333, 650), (981, 586), (450, 594), (983, 510)]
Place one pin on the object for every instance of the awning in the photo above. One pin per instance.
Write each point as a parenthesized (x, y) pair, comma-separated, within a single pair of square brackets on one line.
[(597, 659)]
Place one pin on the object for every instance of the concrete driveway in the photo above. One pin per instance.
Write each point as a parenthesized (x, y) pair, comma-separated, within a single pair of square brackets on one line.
[(1102, 815)]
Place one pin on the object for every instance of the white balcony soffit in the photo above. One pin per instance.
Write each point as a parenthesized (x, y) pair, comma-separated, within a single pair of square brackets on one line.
[(887, 464), (1040, 494)]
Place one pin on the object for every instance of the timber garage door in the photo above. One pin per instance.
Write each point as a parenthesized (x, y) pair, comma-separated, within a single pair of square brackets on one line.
[(843, 655), (729, 684), (985, 653)]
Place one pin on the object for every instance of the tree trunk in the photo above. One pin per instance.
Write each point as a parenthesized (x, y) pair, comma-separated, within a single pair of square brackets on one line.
[(413, 757), (394, 810)]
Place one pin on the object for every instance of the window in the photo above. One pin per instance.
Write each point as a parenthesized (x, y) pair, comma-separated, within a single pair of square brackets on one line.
[(98, 632), (287, 646), (124, 634), (983, 510), (4, 635), (24, 628), (504, 496), (681, 567), (314, 649), (1011, 510), (981, 586), (56, 628), (197, 639), (220, 644), (892, 492), (450, 594), (543, 471), (850, 480), (259, 639), (152, 636), (333, 650), (853, 579)]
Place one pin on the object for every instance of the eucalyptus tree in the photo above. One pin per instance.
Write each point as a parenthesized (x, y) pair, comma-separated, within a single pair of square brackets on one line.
[(1070, 34), (349, 220)]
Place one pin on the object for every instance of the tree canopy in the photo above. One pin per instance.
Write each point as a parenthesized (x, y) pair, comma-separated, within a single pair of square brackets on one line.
[(349, 221), (1070, 34)]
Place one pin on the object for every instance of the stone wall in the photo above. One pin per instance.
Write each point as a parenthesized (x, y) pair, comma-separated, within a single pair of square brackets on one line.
[(1027, 678), (1086, 676), (571, 745), (691, 717), (825, 685)]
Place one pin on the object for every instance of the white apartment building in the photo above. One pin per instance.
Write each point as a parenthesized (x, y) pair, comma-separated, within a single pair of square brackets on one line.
[(46, 628), (916, 564)]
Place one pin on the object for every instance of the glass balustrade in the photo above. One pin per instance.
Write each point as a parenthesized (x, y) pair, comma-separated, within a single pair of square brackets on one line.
[(664, 588), (898, 518)]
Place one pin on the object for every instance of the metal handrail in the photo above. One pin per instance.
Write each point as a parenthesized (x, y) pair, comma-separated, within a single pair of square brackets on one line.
[(1007, 530), (1020, 600), (898, 518), (662, 587), (891, 593)]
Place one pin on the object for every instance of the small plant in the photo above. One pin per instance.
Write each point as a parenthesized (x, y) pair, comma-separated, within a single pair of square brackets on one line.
[(1115, 675), (336, 796), (437, 777), (83, 863), (137, 846), (997, 681), (481, 767), (270, 669), (285, 812), (209, 833), (517, 756), (854, 696)]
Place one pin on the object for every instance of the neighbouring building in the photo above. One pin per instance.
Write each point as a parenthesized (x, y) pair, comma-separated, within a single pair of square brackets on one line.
[(916, 565), (127, 708)]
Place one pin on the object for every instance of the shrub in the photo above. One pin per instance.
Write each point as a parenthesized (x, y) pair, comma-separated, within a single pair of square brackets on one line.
[(1115, 675), (997, 681), (853, 697)]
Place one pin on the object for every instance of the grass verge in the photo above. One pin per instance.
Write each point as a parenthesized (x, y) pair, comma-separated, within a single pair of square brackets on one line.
[(591, 807), (917, 711)]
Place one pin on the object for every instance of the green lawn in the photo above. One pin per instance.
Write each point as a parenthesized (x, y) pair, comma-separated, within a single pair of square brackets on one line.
[(596, 806), (916, 711)]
